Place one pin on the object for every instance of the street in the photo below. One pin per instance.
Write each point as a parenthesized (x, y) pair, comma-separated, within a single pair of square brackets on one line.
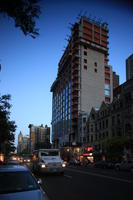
[(79, 183)]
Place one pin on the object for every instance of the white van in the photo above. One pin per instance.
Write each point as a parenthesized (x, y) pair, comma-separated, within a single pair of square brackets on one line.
[(48, 160)]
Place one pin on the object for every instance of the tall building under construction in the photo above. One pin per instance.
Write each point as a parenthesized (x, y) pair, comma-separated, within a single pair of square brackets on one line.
[(84, 80)]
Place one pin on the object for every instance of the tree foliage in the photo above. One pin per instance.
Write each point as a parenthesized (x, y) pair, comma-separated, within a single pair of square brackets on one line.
[(7, 127), (23, 13), (115, 146)]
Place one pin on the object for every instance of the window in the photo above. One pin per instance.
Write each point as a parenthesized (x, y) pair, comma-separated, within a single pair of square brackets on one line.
[(93, 116), (95, 127), (99, 135), (84, 120), (91, 127), (119, 132), (85, 53), (91, 138), (95, 64), (100, 125), (85, 67), (106, 123), (107, 89), (113, 120), (107, 92), (118, 119), (113, 133), (85, 60), (103, 124), (95, 70), (85, 47), (19, 181), (96, 136)]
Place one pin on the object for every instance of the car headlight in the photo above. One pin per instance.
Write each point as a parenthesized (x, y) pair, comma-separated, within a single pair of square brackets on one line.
[(28, 160), (43, 166), (63, 165)]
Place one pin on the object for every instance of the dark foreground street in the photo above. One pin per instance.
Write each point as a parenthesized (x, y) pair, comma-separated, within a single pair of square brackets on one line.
[(89, 183)]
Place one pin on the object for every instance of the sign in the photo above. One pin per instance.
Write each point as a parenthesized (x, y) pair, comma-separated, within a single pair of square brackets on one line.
[(89, 149)]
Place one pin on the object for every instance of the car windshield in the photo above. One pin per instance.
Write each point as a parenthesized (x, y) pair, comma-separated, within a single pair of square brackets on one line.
[(50, 153), (17, 182)]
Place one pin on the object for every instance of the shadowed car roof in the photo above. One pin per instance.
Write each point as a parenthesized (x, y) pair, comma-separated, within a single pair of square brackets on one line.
[(12, 168)]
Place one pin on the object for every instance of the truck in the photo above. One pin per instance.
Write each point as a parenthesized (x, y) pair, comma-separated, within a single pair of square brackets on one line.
[(48, 161)]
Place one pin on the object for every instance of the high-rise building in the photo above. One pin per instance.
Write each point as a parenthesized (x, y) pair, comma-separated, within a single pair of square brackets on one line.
[(39, 137), (83, 81), (23, 143), (115, 80), (129, 67), (20, 140)]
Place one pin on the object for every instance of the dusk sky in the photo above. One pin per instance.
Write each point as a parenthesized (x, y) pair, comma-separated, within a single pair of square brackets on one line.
[(29, 66)]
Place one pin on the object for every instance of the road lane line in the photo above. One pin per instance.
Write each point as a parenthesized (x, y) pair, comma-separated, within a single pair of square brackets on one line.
[(103, 176), (68, 176)]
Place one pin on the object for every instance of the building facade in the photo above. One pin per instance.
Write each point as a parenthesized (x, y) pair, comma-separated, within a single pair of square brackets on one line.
[(129, 67), (39, 137), (83, 81), (20, 140), (115, 80), (112, 120), (23, 143)]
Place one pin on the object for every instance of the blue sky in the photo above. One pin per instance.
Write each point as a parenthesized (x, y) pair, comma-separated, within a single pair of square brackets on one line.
[(29, 66)]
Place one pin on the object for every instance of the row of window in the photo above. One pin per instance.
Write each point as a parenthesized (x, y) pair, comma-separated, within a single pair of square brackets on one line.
[(103, 135), (62, 127), (85, 67), (85, 61), (104, 124), (61, 105), (96, 137)]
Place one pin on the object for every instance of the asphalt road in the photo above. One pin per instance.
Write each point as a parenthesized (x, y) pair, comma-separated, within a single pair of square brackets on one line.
[(79, 183)]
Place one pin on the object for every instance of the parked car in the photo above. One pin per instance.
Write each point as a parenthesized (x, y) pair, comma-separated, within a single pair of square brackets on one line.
[(17, 183), (100, 164), (126, 165), (110, 164), (11, 162), (104, 164)]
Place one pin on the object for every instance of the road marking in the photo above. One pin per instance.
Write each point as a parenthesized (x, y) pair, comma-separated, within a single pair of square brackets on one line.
[(101, 175), (68, 176)]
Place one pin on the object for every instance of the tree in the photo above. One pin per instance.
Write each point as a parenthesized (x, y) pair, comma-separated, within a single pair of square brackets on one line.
[(115, 147), (23, 13), (7, 127)]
